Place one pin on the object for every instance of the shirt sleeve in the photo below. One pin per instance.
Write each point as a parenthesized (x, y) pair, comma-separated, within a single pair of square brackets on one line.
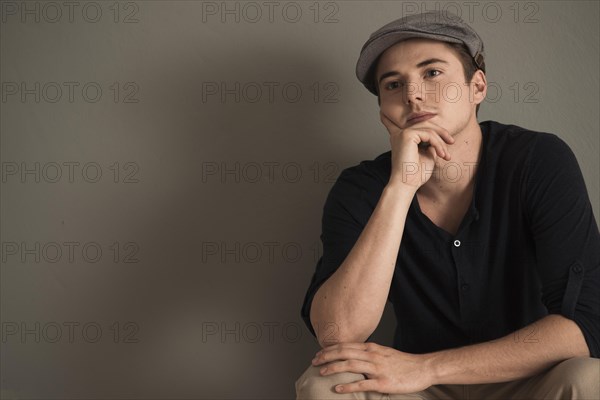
[(345, 214), (566, 237)]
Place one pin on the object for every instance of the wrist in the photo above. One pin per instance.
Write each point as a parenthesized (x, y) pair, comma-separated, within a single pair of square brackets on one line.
[(434, 367), (397, 184)]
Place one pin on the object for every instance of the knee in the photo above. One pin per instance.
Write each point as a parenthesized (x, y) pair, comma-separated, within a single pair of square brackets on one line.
[(579, 377), (312, 385)]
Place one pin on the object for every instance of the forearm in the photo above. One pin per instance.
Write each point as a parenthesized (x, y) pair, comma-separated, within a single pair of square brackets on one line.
[(521, 354), (349, 305)]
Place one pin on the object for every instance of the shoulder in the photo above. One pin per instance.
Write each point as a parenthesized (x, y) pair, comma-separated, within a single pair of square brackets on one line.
[(515, 143), (514, 135)]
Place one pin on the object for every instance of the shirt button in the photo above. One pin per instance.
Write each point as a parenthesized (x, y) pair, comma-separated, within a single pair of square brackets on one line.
[(577, 269), (457, 243), (464, 287)]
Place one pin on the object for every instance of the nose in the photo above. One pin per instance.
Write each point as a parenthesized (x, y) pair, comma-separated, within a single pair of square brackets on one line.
[(413, 93)]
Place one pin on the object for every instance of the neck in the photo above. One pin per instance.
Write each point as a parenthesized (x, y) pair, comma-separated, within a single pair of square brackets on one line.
[(456, 176)]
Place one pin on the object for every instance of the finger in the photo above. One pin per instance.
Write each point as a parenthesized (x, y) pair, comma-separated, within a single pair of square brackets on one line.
[(444, 149), (432, 152), (342, 354), (350, 345), (443, 132), (441, 147), (337, 347), (366, 385), (432, 132), (434, 141), (356, 366), (439, 130)]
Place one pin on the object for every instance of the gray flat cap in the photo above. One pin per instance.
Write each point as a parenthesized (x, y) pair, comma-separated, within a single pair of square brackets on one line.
[(437, 25)]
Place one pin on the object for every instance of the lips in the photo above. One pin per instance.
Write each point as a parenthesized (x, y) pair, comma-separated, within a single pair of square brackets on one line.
[(418, 117)]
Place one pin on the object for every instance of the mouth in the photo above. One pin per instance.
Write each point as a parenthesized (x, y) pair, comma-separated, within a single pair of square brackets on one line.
[(418, 117)]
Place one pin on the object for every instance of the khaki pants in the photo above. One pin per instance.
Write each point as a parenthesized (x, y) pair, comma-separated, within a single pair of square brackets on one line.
[(575, 378)]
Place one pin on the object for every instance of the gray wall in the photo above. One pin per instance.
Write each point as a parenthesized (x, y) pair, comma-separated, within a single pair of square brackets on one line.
[(160, 224)]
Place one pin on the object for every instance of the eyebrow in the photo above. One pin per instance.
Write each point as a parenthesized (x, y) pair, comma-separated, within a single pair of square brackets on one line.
[(419, 65)]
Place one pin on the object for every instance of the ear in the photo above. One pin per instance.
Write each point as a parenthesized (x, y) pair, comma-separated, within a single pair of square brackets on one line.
[(479, 82)]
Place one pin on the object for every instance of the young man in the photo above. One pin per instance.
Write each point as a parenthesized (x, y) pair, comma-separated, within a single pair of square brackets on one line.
[(481, 235)]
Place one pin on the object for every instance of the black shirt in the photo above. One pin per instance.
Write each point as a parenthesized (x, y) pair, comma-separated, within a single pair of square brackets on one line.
[(527, 247)]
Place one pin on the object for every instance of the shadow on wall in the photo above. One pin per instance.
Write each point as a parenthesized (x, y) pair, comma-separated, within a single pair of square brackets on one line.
[(222, 305), (226, 254)]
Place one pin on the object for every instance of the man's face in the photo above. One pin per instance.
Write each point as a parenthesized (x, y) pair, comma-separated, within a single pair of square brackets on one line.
[(422, 75)]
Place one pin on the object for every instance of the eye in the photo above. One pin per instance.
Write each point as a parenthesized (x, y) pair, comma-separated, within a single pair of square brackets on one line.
[(391, 85), (431, 72)]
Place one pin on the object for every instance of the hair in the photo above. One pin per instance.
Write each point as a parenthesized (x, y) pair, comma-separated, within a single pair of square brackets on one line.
[(467, 61)]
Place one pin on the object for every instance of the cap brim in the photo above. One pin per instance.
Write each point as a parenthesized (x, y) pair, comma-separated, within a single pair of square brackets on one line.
[(376, 46)]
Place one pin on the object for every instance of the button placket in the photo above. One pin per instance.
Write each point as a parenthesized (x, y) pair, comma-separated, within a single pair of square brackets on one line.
[(464, 288)]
